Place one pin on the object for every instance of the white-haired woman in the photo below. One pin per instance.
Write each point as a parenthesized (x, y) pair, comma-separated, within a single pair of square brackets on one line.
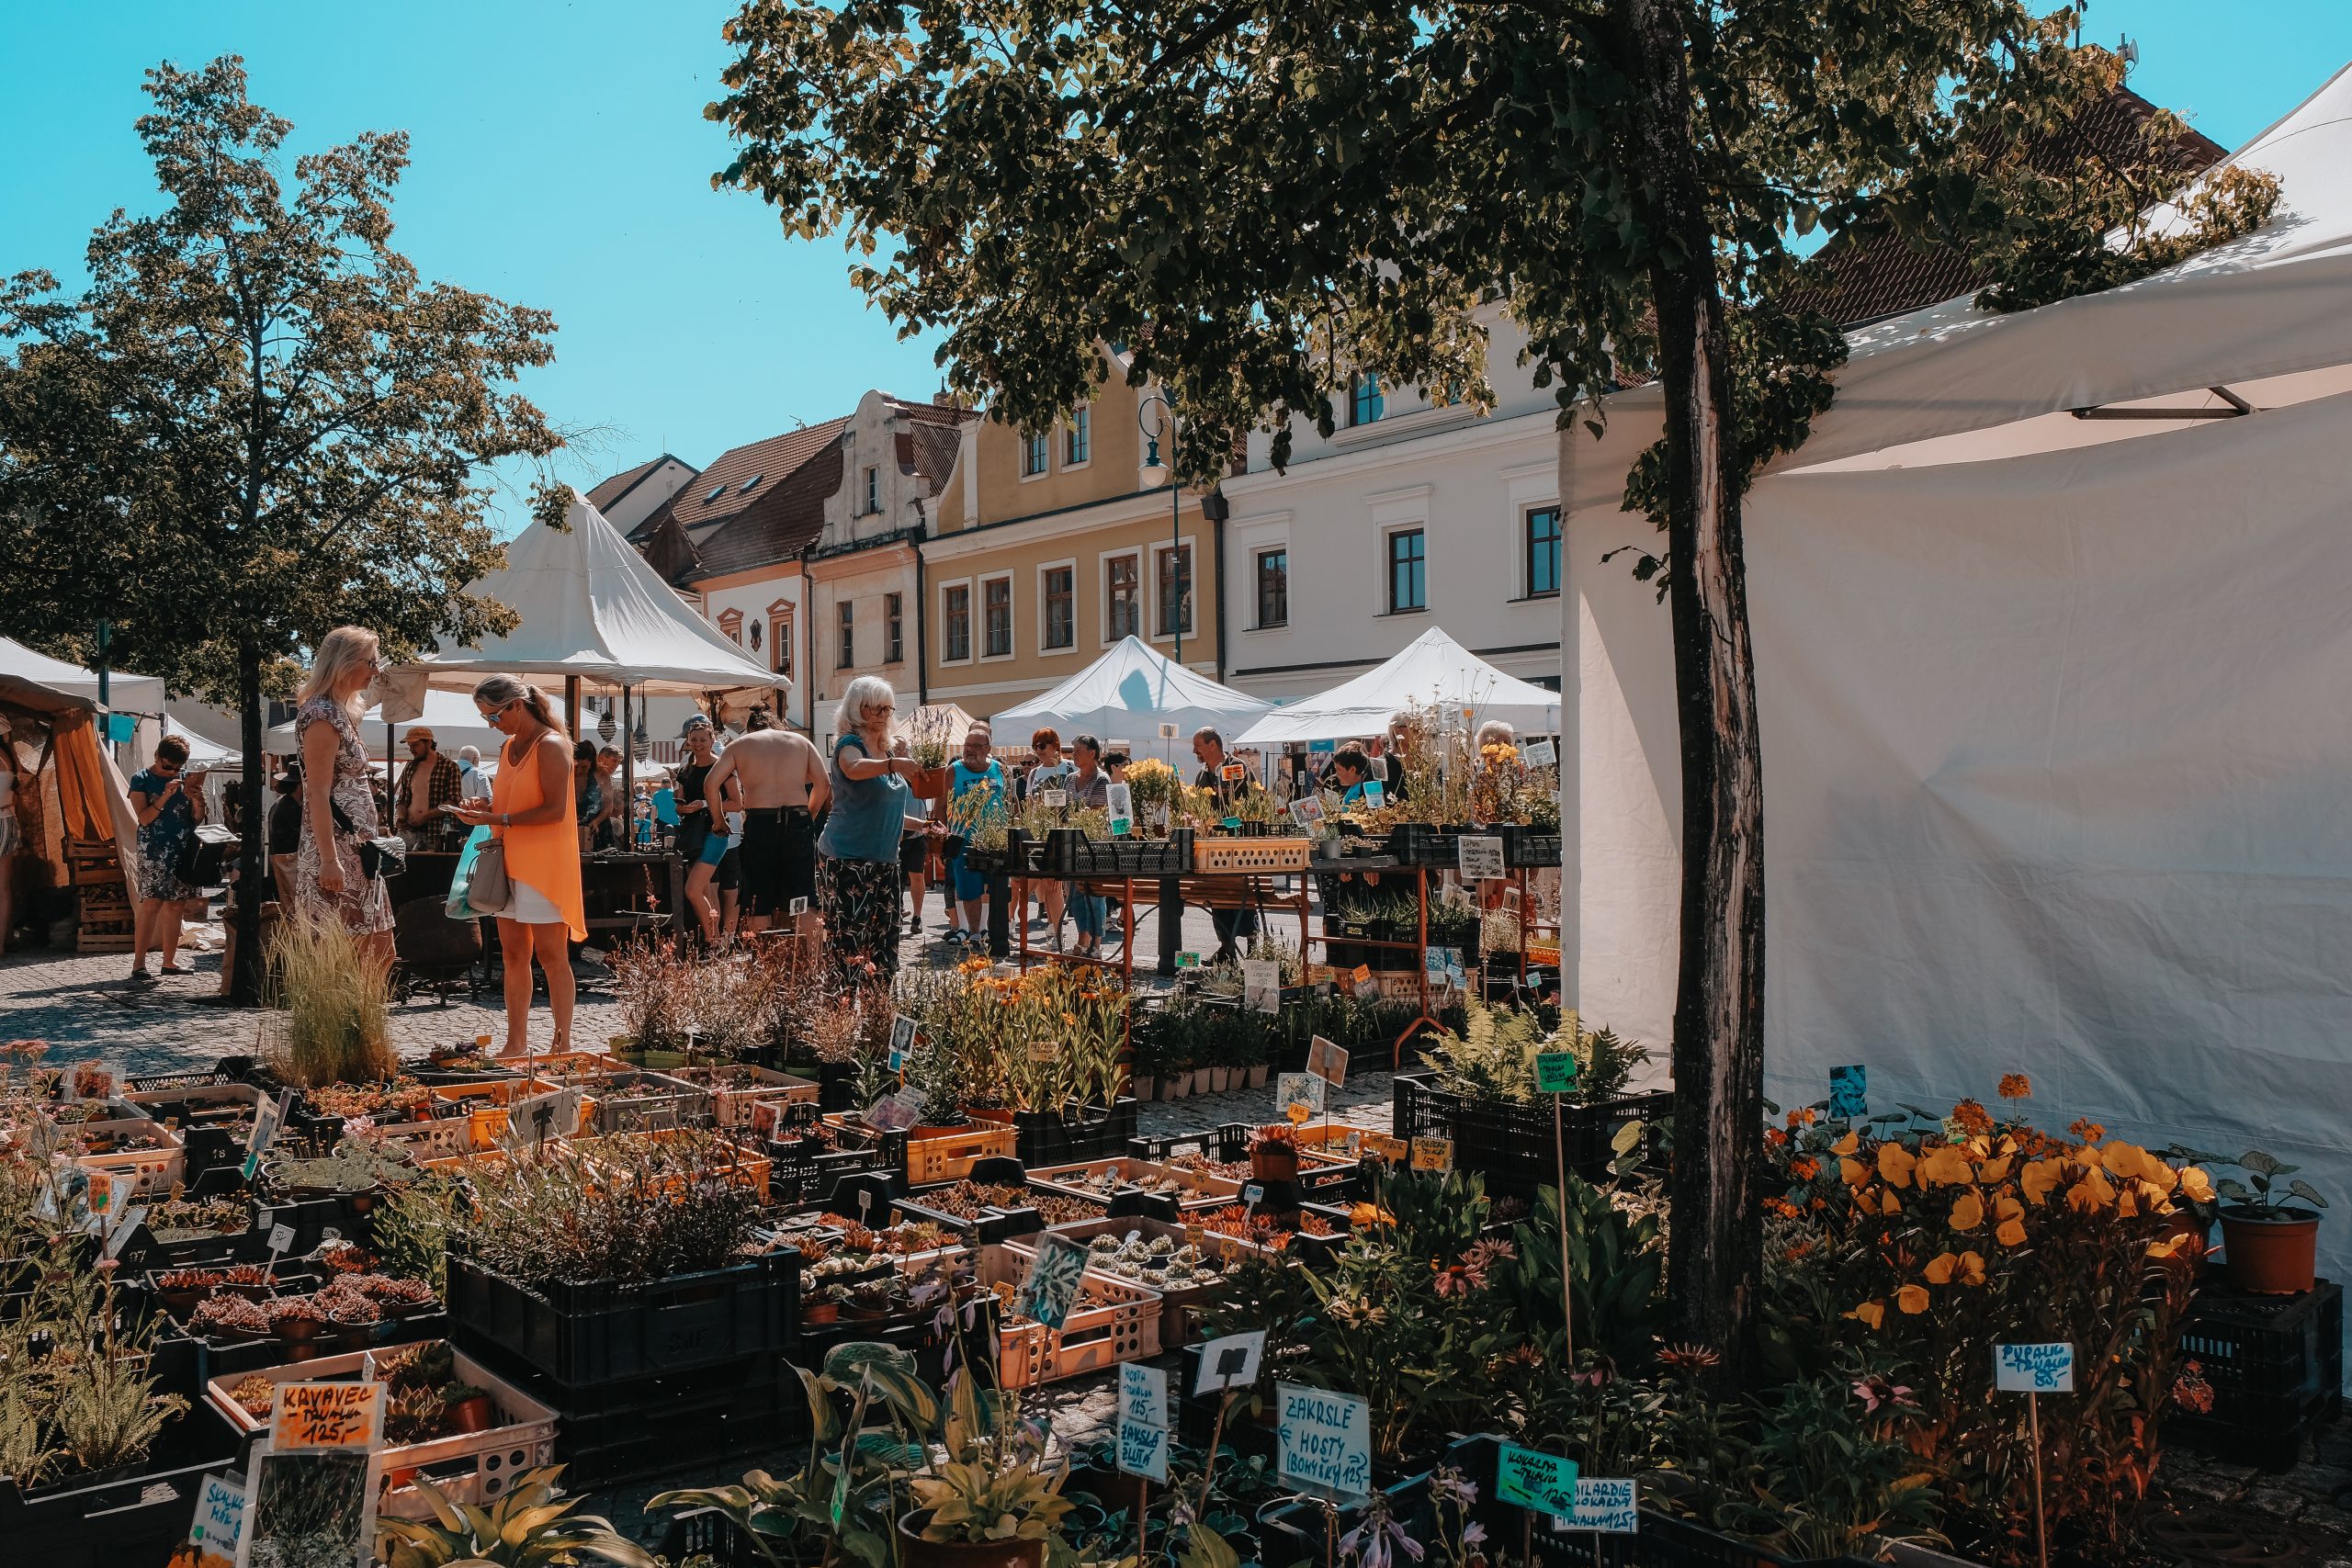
[(338, 797), (857, 858), (530, 812)]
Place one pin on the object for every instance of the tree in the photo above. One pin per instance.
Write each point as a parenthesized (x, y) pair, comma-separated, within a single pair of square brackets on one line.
[(255, 423), (1263, 198)]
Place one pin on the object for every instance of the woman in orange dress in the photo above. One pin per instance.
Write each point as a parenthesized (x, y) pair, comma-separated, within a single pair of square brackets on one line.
[(530, 810)]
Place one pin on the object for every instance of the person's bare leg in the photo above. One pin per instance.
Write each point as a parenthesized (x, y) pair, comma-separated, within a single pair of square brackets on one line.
[(8, 898), (700, 898), (914, 887), (142, 933), (167, 932), (551, 945), (514, 952), (728, 912)]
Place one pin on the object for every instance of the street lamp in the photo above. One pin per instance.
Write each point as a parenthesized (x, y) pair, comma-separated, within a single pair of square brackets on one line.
[(1164, 425)]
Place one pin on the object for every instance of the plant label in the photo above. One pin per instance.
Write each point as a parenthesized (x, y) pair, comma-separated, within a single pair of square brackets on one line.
[(1433, 1153), (1610, 1507), (281, 1238), (1849, 1093), (798, 906), (1142, 1393), (1051, 1286), (1230, 1362), (902, 1034), (1324, 1440), (892, 1113), (1056, 798), (1540, 754), (1375, 794), (1534, 1480), (132, 1218), (1327, 1061), (1294, 1091), (1167, 732), (1456, 975), (1121, 826), (1120, 798), (2033, 1369), (1143, 1450), (115, 1199), (326, 1417), (1044, 1051), (1261, 984), (481, 1042), (1307, 811), (1252, 1195), (1556, 1072), (1479, 857), (219, 1521), (267, 1119), (1234, 773), (1188, 960), (1385, 1146)]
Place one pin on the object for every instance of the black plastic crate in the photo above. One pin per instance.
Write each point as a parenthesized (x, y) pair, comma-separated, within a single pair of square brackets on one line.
[(805, 1170), (2275, 1364), (82, 1522), (833, 1079), (184, 1365), (1068, 853), (1524, 847), (712, 1533), (1226, 1142), (586, 1334), (659, 1427), (1511, 1145), (1046, 1137)]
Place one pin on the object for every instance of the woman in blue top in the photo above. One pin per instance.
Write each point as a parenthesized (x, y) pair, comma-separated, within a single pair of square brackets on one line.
[(976, 770), (857, 857), (168, 806)]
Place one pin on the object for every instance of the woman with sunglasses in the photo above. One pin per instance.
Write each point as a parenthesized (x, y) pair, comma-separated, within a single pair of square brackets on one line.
[(169, 809), (339, 802), (530, 811)]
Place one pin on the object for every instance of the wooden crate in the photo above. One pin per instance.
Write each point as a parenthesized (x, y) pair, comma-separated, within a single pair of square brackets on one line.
[(1250, 855)]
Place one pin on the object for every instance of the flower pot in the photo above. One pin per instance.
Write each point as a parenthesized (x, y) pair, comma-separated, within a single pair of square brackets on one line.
[(818, 1313), (296, 1330), (1273, 1162), (1257, 1075), (1201, 1077), (1143, 1085), (473, 1415), (915, 1552), (2270, 1252), (927, 783)]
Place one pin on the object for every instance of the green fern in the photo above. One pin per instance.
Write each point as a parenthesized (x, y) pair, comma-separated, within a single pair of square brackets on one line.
[(1493, 1056)]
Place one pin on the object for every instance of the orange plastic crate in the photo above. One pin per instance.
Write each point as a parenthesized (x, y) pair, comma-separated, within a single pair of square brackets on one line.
[(1250, 855)]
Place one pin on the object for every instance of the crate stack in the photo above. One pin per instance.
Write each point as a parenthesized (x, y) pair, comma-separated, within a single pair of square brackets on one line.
[(2275, 1364), (101, 896)]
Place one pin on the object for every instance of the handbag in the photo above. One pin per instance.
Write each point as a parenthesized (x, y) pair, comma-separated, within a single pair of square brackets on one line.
[(204, 857), (489, 889), (381, 855)]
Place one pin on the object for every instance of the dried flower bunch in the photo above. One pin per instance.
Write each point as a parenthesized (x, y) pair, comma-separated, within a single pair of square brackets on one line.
[(646, 1209)]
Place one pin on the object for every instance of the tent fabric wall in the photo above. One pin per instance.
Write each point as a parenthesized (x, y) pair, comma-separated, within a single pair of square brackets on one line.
[(2055, 758)]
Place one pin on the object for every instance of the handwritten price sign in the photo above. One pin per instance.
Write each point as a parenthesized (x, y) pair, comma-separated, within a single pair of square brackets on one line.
[(1326, 1441), (327, 1417), (2033, 1369)]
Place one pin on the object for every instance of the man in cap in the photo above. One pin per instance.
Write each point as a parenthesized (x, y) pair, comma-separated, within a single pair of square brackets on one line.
[(430, 782)]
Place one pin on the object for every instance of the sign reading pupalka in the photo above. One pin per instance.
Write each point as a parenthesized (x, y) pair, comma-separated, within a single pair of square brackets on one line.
[(1535, 1480), (1324, 1440), (2033, 1369), (1610, 1506)]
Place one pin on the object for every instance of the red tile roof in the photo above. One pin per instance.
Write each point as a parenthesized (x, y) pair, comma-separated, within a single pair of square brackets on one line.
[(719, 492), (1861, 278)]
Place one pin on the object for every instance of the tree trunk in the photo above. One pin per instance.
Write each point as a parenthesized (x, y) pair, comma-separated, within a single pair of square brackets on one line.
[(1713, 1260), (253, 850)]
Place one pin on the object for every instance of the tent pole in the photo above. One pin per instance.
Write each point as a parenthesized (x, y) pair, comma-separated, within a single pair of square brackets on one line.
[(628, 773)]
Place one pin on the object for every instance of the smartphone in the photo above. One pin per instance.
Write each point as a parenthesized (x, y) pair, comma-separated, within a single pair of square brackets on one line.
[(452, 810)]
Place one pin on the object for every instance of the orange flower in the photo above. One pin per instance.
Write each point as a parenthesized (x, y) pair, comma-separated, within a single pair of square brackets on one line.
[(1895, 1163), (2039, 1176), (1854, 1171), (1912, 1299), (2086, 1129), (1848, 1145), (2195, 1184), (1971, 1268), (1967, 1212), (1889, 1203), (1872, 1313), (2015, 1086), (2093, 1192), (1972, 1117), (1804, 1169), (1939, 1268), (2011, 1233), (1992, 1170), (1944, 1166)]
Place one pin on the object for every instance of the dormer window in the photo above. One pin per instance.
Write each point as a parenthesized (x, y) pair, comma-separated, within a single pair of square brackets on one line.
[(750, 482), (714, 495)]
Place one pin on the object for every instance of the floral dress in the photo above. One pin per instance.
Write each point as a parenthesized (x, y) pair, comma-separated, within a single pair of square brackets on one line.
[(365, 905), (162, 841)]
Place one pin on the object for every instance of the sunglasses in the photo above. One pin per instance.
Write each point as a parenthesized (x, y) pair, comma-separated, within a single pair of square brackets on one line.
[(163, 767)]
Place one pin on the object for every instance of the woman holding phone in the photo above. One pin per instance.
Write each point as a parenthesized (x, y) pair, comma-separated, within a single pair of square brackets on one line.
[(168, 807)]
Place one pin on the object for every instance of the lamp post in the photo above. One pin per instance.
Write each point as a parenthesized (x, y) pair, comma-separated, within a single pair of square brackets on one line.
[(1153, 432)]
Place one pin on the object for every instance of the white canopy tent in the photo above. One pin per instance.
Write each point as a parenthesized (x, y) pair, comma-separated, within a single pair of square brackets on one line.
[(1130, 694), (125, 692), (451, 716), (1433, 668), (2054, 741)]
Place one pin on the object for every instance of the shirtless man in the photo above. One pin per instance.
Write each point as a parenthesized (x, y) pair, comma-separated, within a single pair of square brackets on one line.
[(783, 781)]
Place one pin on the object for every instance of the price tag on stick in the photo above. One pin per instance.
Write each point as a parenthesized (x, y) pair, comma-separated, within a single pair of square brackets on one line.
[(1534, 1479), (1607, 1506), (1324, 1442), (1556, 1072)]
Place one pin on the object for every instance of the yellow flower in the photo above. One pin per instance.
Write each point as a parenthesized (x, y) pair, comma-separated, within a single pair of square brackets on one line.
[(1846, 1144), (1872, 1313), (1944, 1166), (1912, 1299), (2011, 1233), (1854, 1171), (1894, 1163), (1967, 1212), (2039, 1176), (1939, 1268), (1992, 1170), (2196, 1185), (1889, 1203), (2128, 1159), (2008, 1208), (2093, 1192), (1971, 1268)]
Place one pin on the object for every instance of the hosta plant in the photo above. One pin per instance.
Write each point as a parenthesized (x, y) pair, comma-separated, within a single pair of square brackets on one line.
[(528, 1527)]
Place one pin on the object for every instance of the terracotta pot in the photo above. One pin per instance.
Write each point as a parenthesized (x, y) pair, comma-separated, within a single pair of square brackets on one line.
[(915, 1552), (2273, 1253), (821, 1313), (296, 1330), (473, 1415), (1258, 1076), (1273, 1162), (928, 783)]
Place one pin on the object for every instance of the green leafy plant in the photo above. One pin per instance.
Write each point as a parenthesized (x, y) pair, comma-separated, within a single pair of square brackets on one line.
[(338, 1002), (1492, 1055), (2264, 1172), (527, 1528)]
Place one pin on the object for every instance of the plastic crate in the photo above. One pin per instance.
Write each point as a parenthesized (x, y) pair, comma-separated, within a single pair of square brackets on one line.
[(808, 1170), (1179, 1305), (2275, 1364), (1068, 853), (1196, 1189), (950, 1155), (1113, 1322), (732, 1105), (580, 1334), (473, 1467), (1254, 855), (123, 1519), (155, 1170), (1046, 1137), (1524, 847), (1511, 1145), (655, 1426)]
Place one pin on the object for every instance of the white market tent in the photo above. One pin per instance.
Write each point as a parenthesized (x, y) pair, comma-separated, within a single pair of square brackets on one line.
[(2054, 725), (125, 692), (1129, 694), (1433, 668), (451, 716)]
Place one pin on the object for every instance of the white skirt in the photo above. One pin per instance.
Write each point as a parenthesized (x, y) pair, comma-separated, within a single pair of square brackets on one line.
[(532, 908)]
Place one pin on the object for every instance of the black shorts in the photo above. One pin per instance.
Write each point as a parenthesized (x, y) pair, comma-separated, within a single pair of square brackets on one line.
[(779, 851), (914, 853), (731, 872)]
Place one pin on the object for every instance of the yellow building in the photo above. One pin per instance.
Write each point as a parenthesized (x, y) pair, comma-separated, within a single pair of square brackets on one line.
[(1051, 546)]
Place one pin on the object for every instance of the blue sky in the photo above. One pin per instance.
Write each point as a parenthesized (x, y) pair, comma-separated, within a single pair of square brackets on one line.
[(562, 160)]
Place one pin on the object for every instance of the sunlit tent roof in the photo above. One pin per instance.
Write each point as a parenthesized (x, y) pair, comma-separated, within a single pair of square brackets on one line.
[(591, 607), (1127, 694), (1433, 668), (125, 692)]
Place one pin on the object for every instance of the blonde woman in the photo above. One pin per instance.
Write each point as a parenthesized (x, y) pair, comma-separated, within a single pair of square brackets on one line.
[(857, 858), (530, 811), (338, 797)]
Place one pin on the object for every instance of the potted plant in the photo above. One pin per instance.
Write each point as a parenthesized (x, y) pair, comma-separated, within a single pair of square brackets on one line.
[(1274, 1155), (823, 1306), (467, 1408), (294, 1319), (2269, 1245), (527, 1525), (992, 1501)]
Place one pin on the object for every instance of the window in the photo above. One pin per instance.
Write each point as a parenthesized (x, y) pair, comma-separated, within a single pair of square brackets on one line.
[(1273, 587), (1407, 571), (1543, 552), (847, 652), (1365, 405), (996, 603), (1173, 566), (730, 621), (1123, 615), (749, 483), (780, 644), (1061, 606), (1077, 442), (873, 489), (755, 636), (894, 628), (955, 622), (714, 495), (1033, 455)]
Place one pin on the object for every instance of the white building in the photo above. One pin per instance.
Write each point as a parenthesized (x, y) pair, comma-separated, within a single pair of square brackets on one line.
[(1409, 514)]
